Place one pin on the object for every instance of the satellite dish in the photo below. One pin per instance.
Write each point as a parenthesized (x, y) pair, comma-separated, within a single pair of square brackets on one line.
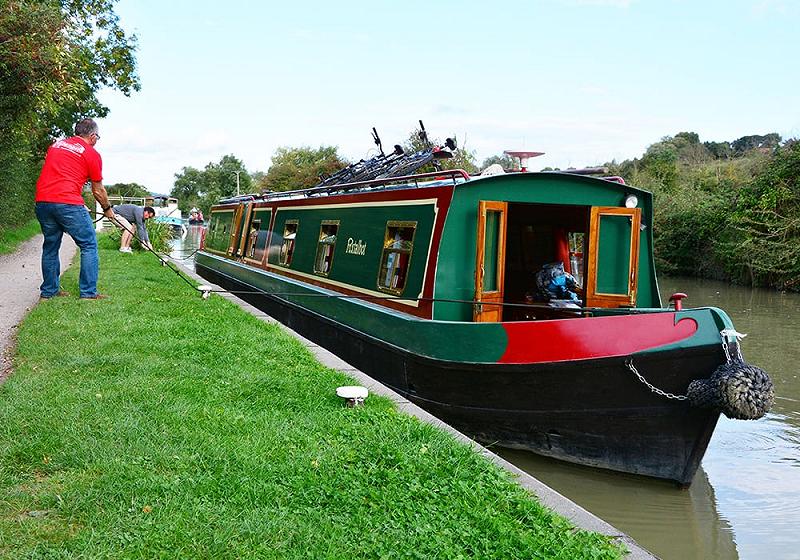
[(523, 156)]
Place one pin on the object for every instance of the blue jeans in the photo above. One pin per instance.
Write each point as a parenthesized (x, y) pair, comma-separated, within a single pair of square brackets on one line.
[(56, 219)]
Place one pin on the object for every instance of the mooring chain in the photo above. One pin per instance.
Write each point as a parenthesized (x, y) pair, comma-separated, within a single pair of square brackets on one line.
[(732, 334), (653, 388)]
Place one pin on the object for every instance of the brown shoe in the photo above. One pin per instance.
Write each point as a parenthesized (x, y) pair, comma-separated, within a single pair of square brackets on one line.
[(96, 296), (61, 293)]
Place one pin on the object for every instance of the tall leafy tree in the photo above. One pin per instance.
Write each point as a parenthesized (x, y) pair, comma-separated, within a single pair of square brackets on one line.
[(54, 57), (300, 168), (202, 189)]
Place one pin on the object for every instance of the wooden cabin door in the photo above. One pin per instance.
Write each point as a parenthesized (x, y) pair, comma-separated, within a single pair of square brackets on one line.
[(244, 228), (240, 216), (490, 261), (613, 257)]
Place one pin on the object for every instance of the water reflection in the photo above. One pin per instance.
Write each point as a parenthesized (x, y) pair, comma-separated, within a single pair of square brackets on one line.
[(745, 500), (183, 247), (669, 522)]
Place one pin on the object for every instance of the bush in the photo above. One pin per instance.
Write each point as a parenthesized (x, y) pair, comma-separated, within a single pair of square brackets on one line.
[(160, 235)]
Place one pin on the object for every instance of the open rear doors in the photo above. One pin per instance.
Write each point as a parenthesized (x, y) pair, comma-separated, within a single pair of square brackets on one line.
[(490, 261), (613, 257)]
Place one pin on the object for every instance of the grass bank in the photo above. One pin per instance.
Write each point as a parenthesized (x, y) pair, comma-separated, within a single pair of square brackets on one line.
[(158, 425), (10, 238)]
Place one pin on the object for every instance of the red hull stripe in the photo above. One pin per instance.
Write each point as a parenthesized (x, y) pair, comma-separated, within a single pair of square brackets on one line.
[(598, 337)]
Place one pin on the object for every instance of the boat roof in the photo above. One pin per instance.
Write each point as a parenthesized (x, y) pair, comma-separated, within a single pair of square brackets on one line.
[(454, 178)]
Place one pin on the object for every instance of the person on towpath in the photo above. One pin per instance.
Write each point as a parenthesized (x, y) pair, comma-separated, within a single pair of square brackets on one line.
[(125, 216), (60, 207)]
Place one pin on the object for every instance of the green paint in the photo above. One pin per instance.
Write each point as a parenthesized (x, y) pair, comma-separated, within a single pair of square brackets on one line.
[(490, 248), (613, 267), (444, 340), (363, 230)]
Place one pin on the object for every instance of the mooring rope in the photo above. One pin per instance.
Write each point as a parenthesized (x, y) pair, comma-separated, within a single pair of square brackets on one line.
[(149, 247)]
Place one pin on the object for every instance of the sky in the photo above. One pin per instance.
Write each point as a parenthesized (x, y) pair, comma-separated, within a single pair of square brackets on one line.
[(585, 81)]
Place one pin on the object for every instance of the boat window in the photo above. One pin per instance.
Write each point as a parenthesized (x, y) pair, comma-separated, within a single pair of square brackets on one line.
[(252, 238), (576, 252), (397, 246), (218, 236), (327, 242), (256, 243), (287, 247)]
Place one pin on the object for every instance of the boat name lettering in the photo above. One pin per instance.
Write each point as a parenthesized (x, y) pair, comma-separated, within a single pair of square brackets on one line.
[(355, 247)]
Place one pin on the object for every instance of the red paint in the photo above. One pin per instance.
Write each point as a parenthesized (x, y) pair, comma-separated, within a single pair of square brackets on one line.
[(562, 248), (677, 298), (595, 337)]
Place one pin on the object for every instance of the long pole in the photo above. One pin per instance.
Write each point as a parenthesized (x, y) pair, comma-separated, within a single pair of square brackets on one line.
[(237, 182)]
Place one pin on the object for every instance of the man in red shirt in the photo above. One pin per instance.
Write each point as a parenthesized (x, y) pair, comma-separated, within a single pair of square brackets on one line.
[(60, 208)]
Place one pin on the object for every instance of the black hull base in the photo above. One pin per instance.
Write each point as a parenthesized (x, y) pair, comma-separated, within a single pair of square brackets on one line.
[(592, 412)]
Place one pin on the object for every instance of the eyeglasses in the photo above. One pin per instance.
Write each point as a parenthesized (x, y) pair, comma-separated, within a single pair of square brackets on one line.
[(97, 136)]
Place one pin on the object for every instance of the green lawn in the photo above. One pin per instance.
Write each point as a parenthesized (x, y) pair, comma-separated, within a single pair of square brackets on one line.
[(10, 238), (158, 425)]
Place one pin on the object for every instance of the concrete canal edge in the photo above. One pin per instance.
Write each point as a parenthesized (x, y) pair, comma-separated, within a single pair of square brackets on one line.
[(547, 496)]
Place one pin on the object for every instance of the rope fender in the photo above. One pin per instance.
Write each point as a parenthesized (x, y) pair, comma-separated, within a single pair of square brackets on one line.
[(740, 390)]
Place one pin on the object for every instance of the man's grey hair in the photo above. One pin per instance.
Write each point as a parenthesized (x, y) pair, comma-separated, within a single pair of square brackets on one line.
[(85, 127)]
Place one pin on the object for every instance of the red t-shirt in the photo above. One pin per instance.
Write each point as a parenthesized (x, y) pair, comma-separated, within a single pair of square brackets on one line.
[(68, 165)]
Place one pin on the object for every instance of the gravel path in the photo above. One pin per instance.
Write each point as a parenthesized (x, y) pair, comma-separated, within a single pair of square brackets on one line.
[(20, 277)]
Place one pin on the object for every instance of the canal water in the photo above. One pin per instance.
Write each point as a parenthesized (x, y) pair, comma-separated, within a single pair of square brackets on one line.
[(183, 247), (744, 502)]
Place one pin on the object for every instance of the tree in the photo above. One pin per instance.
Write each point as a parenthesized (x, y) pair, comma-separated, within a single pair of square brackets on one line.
[(660, 162), (54, 57), (719, 150), (127, 190), (189, 188), (767, 219), (462, 157), (300, 168), (755, 141), (202, 189), (505, 161)]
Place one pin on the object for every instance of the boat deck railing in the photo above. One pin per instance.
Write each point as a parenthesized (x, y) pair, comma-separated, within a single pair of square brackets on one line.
[(421, 180)]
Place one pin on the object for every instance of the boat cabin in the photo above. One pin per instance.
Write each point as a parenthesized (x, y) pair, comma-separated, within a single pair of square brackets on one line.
[(451, 247)]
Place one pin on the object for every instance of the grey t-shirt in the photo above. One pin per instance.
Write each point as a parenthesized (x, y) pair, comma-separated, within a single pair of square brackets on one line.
[(134, 214)]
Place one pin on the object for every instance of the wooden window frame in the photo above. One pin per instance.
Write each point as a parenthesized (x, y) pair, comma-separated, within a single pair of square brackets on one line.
[(321, 244), (396, 224), (281, 261), (599, 299), (261, 214)]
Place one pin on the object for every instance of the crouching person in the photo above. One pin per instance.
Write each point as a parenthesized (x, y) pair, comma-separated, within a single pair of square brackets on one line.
[(125, 216)]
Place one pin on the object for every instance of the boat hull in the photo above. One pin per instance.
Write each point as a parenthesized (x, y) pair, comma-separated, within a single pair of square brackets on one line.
[(593, 412)]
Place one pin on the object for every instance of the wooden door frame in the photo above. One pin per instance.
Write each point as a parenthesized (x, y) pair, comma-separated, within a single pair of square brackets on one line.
[(247, 215), (479, 315), (593, 298), (239, 217)]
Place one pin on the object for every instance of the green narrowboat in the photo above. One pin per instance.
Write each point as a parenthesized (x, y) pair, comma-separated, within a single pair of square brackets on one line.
[(432, 284)]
